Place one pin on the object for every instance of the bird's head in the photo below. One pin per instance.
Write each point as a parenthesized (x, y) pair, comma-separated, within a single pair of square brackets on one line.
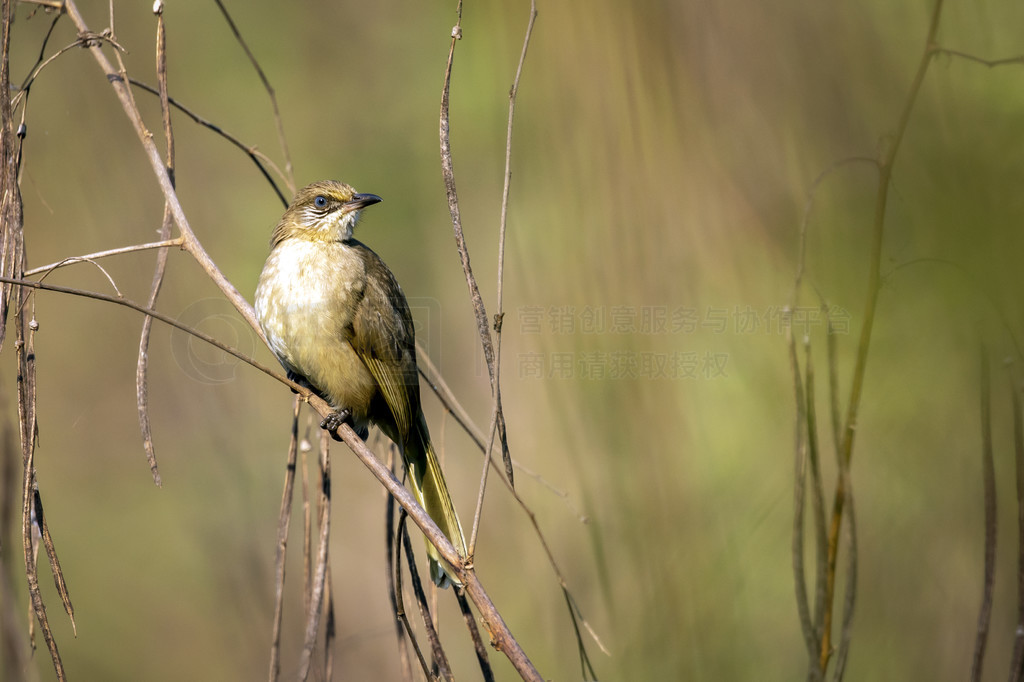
[(324, 211)]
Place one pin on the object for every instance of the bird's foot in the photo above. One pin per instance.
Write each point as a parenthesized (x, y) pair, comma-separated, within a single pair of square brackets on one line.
[(335, 419)]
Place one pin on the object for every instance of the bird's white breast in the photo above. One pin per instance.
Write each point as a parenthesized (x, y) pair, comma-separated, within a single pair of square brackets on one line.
[(300, 299)]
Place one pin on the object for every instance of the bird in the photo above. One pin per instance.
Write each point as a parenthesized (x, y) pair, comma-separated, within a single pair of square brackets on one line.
[(336, 318)]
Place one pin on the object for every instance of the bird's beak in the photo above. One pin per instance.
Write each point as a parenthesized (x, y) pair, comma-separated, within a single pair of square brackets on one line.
[(360, 201)]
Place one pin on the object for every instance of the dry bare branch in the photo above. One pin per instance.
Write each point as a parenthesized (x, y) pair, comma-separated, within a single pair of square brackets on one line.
[(448, 174), (437, 652), (142, 365), (283, 524), (320, 575)]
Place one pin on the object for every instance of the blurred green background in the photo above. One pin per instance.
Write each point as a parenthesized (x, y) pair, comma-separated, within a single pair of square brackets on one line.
[(663, 155)]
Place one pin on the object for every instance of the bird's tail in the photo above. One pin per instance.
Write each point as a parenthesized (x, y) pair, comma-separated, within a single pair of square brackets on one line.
[(431, 492)]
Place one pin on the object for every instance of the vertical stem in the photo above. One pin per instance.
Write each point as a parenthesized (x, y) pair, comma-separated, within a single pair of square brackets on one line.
[(873, 288)]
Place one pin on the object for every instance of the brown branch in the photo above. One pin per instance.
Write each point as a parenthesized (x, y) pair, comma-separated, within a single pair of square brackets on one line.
[(436, 650), (320, 576), (400, 611), (13, 265), (307, 525), (283, 524), (330, 628), (90, 257), (142, 366), (51, 555), (29, 521), (448, 174), (501, 636), (474, 633)]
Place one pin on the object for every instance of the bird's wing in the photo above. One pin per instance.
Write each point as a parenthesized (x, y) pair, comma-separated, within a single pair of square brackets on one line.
[(384, 339)]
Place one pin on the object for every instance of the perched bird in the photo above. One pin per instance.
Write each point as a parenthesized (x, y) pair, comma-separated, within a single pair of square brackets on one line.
[(337, 320)]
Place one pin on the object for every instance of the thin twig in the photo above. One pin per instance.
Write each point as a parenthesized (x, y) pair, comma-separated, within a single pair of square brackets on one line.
[(496, 412), (289, 179), (305, 447), (81, 41), (13, 265), (390, 547), (850, 599), (26, 84), (474, 633), (283, 524), (436, 650), (27, 416), (261, 160), (448, 174), (501, 636), (51, 555), (32, 284), (90, 257), (142, 366), (871, 305), (978, 60), (824, 573), (330, 628), (12, 250), (989, 478), (400, 611), (107, 275), (320, 576), (586, 666), (437, 383), (810, 633)]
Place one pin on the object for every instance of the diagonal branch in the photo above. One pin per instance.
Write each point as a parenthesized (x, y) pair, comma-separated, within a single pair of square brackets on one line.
[(270, 92), (119, 82)]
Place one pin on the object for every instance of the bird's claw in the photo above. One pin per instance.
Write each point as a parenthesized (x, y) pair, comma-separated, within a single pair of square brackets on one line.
[(335, 419)]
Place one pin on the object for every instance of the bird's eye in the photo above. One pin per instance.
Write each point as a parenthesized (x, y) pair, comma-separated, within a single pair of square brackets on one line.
[(320, 201)]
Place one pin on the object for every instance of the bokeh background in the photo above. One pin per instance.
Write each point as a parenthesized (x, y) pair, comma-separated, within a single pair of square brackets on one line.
[(664, 152)]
